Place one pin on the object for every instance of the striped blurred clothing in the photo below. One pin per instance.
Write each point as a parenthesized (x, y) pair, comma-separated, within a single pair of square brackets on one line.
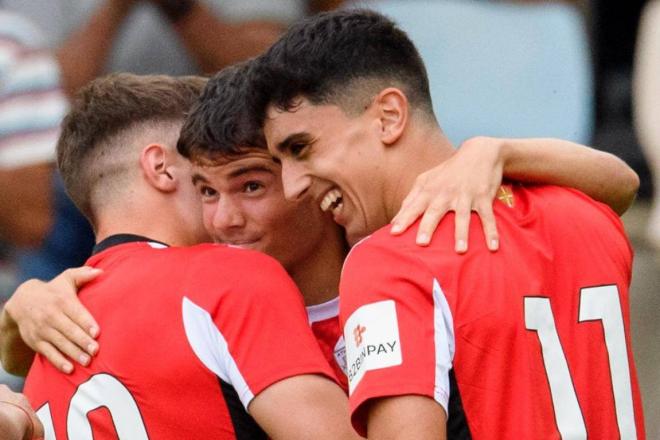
[(32, 103)]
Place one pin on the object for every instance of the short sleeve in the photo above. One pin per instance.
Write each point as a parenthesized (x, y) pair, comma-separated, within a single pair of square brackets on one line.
[(247, 323), (397, 326)]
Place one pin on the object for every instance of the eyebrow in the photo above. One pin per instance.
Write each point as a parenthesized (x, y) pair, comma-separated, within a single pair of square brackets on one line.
[(197, 178), (248, 169), (200, 178), (283, 146)]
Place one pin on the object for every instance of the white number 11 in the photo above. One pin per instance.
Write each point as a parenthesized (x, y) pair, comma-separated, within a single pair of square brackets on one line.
[(596, 303)]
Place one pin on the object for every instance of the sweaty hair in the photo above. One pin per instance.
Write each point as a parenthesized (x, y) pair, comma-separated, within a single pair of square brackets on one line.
[(219, 124), (105, 116), (342, 58)]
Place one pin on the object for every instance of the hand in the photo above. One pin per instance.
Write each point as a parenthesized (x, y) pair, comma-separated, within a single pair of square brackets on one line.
[(468, 181), (52, 321), (17, 412)]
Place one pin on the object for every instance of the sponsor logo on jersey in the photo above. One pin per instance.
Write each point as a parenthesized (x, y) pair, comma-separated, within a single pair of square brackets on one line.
[(372, 340), (357, 333)]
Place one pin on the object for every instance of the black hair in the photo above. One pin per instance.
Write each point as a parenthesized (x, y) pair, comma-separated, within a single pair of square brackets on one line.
[(218, 124), (342, 57)]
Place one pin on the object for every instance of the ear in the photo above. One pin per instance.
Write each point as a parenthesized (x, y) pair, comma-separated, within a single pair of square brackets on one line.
[(157, 163), (392, 107)]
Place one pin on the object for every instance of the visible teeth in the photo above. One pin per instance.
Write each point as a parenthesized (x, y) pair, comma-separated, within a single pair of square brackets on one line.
[(331, 200)]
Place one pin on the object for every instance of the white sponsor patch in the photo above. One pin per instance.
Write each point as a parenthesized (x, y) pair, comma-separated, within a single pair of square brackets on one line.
[(340, 354), (372, 340)]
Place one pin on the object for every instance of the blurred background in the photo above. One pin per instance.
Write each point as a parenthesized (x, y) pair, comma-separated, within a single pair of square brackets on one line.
[(583, 70)]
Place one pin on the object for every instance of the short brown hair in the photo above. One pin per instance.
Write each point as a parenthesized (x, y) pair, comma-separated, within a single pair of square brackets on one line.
[(103, 111)]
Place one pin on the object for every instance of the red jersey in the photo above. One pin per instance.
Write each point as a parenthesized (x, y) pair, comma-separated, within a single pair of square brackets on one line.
[(188, 337), (324, 320), (529, 342)]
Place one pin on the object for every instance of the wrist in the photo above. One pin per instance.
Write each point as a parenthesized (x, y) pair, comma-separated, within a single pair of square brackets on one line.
[(19, 418), (176, 10)]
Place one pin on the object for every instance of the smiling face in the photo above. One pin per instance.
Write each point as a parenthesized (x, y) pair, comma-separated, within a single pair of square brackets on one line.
[(243, 205), (335, 159)]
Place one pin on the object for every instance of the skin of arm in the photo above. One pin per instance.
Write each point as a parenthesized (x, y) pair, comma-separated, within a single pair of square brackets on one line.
[(215, 43), (83, 54), (17, 423), (406, 417), (15, 355), (48, 318), (26, 199), (600, 175), (469, 180), (303, 407)]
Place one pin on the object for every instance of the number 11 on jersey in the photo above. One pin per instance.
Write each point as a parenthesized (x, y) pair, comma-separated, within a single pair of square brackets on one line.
[(596, 303)]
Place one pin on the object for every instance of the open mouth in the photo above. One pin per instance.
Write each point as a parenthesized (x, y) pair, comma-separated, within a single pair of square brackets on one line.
[(332, 201)]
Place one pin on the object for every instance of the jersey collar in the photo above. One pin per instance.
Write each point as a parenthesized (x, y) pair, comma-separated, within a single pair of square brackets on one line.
[(116, 239)]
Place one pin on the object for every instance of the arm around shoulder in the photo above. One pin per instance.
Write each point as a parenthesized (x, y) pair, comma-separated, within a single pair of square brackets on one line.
[(600, 175)]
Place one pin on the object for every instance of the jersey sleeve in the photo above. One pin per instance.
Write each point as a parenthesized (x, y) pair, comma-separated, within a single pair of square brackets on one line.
[(247, 324), (397, 326)]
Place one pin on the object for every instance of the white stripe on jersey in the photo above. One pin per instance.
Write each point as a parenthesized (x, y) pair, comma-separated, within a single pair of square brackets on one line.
[(443, 325), (211, 348)]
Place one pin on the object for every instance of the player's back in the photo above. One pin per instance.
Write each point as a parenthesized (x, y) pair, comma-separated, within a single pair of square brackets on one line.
[(168, 365), (539, 330), (543, 326)]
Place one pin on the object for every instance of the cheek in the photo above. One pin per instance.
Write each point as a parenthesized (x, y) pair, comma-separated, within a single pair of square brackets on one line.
[(208, 211)]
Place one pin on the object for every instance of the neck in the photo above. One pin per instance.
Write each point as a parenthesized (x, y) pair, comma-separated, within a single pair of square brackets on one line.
[(420, 149), (138, 219), (317, 276)]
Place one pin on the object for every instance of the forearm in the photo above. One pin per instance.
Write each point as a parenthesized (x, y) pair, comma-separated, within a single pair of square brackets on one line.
[(602, 176), (26, 212), (83, 55), (229, 43), (15, 355), (12, 426), (406, 417)]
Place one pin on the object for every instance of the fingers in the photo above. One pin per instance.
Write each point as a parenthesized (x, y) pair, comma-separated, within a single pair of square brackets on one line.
[(489, 225), (429, 223), (68, 337), (463, 213), (412, 207), (64, 345), (83, 320), (54, 357), (79, 276)]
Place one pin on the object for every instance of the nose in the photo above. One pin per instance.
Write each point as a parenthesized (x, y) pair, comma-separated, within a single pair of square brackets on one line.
[(295, 181), (227, 215)]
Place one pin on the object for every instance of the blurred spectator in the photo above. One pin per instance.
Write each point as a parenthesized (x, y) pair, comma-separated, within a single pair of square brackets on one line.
[(175, 37), (45, 231), (646, 104)]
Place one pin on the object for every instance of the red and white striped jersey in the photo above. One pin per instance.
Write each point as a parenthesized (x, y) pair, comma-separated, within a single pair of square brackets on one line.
[(324, 320), (189, 336), (532, 341)]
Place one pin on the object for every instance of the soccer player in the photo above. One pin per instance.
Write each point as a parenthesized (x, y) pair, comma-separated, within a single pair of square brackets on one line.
[(243, 205), (198, 342), (532, 341)]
